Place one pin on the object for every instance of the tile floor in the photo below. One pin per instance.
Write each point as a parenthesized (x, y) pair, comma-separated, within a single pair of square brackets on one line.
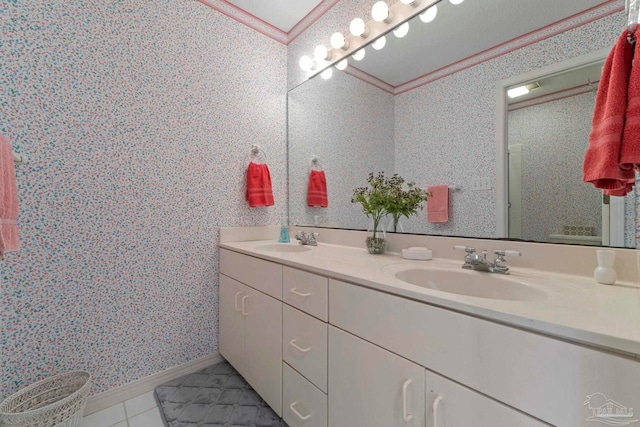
[(140, 411)]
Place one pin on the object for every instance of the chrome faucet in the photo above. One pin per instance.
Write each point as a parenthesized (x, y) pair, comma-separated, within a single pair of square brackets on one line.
[(478, 262), (307, 238)]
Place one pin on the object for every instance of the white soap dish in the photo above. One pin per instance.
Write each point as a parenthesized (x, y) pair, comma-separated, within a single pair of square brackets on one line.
[(417, 253)]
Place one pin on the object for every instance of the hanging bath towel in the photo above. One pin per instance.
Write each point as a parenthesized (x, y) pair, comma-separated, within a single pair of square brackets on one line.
[(317, 192), (9, 239), (259, 190)]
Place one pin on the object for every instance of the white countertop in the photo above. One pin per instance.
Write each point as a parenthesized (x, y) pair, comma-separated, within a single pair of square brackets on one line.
[(576, 308)]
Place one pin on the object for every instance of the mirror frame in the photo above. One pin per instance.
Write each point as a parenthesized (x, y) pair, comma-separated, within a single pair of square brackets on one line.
[(502, 187)]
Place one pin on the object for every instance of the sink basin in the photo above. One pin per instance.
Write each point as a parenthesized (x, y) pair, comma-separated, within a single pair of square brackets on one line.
[(471, 283), (283, 247)]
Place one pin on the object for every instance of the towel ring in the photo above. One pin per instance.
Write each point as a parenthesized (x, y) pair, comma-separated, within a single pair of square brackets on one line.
[(255, 153), (315, 163)]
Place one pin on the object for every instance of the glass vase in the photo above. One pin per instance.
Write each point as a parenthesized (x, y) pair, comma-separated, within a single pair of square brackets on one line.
[(376, 245)]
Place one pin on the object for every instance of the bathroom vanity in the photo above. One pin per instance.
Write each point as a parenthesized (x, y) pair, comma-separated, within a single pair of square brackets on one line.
[(332, 336)]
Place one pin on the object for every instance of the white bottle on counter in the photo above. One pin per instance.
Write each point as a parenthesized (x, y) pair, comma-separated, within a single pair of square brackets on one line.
[(605, 273)]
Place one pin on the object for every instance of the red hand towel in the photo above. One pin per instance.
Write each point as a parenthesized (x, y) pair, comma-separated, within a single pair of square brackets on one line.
[(630, 148), (259, 191), (317, 191), (602, 159), (438, 203), (9, 239)]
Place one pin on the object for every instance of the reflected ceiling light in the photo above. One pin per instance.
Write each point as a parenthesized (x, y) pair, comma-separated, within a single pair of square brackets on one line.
[(456, 1), (522, 90), (380, 12), (401, 31), (326, 74), (414, 3), (429, 15), (358, 28), (321, 53), (358, 55), (380, 43), (306, 63), (339, 42), (342, 65)]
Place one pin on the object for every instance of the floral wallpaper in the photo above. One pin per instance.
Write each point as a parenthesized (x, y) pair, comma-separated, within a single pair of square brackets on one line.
[(137, 117)]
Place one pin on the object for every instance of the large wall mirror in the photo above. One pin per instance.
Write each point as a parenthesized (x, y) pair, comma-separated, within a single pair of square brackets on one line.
[(519, 176)]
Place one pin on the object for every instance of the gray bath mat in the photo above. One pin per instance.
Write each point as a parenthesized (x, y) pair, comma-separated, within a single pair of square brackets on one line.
[(214, 397)]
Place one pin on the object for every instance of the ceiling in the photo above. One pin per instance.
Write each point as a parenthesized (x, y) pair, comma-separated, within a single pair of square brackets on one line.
[(458, 32)]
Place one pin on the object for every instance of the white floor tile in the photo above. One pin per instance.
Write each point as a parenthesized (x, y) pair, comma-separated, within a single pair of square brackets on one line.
[(150, 418), (106, 417), (140, 404)]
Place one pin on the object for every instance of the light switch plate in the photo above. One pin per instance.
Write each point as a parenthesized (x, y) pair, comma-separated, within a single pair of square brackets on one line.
[(481, 183)]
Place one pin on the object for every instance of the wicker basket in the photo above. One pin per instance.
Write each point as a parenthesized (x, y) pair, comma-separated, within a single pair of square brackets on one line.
[(57, 401)]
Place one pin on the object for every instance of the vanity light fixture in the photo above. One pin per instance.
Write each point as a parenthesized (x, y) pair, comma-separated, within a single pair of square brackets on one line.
[(522, 90), (429, 15), (358, 28), (380, 12), (326, 74), (386, 18), (402, 30), (342, 65)]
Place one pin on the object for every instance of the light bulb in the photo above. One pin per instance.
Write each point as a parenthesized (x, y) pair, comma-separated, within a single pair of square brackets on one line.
[(456, 1), (326, 74), (358, 28), (306, 63), (379, 44), (401, 31), (380, 12), (429, 15), (342, 64), (358, 55), (321, 53), (338, 41), (413, 3), (518, 91)]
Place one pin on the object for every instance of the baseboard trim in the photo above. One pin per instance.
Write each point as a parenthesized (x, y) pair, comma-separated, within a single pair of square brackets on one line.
[(128, 391)]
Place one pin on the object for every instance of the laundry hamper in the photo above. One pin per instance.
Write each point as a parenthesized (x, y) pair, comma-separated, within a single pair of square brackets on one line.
[(57, 401)]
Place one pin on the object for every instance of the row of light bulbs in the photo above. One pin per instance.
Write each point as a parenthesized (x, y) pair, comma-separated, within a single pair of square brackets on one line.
[(380, 12)]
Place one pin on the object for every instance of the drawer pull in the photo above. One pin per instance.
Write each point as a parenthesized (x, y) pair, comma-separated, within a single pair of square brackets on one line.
[(295, 411), (244, 313), (406, 416), (293, 344), (300, 294), (237, 295), (434, 409)]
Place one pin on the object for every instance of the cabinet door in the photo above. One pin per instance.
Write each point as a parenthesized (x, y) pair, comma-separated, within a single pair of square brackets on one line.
[(232, 322), (369, 386), (263, 347), (451, 405)]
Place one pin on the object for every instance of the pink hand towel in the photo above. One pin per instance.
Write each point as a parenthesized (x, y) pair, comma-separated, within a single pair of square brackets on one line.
[(602, 158), (317, 191), (438, 203), (259, 190), (9, 239), (630, 148)]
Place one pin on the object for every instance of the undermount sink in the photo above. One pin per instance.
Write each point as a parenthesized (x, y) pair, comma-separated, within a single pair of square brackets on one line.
[(471, 283), (283, 247)]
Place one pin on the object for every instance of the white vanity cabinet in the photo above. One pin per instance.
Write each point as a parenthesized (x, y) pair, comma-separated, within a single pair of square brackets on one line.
[(251, 323), (370, 386)]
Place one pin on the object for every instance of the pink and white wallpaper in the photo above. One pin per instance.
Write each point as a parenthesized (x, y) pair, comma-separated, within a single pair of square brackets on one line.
[(137, 117)]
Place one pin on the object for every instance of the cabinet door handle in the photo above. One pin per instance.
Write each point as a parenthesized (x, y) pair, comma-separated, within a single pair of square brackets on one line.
[(300, 294), (295, 411), (434, 408), (237, 295), (405, 414), (293, 344), (244, 298)]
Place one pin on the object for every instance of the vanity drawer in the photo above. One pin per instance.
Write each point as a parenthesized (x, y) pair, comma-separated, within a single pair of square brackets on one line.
[(305, 291), (304, 345), (545, 377), (262, 275), (303, 404)]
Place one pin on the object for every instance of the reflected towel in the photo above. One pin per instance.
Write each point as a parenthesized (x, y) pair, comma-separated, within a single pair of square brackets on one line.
[(630, 148), (9, 239), (438, 203), (602, 158), (259, 190), (317, 191)]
